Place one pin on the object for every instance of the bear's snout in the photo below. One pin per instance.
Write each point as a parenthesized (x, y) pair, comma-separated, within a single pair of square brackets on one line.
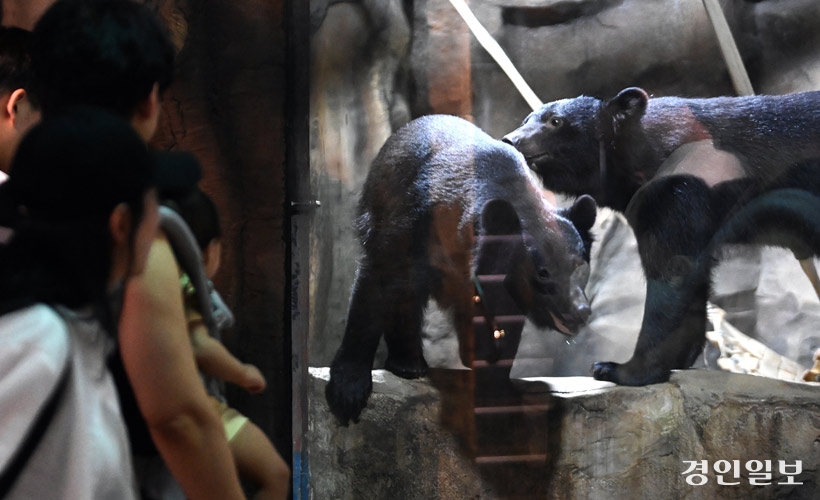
[(512, 139)]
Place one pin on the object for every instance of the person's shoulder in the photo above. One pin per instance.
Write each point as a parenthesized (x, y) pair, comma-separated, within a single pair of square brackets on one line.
[(34, 332), (34, 318)]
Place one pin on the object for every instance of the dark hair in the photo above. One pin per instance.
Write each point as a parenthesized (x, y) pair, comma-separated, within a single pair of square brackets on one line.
[(106, 53), (15, 60), (70, 172), (199, 211)]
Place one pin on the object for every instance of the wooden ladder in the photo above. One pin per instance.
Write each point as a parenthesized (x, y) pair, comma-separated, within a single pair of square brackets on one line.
[(501, 427)]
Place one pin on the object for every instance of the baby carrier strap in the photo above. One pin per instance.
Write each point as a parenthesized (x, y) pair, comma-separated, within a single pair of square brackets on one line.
[(215, 313)]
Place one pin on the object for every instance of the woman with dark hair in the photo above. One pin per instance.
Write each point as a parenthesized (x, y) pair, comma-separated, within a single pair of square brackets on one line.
[(77, 218)]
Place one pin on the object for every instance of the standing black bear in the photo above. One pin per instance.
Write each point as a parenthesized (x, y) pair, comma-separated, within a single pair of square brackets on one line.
[(706, 160), (435, 183)]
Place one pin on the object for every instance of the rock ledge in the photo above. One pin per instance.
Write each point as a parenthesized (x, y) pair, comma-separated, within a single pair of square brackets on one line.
[(605, 441)]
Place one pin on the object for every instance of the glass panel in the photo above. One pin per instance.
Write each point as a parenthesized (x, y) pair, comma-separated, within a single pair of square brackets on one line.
[(462, 288)]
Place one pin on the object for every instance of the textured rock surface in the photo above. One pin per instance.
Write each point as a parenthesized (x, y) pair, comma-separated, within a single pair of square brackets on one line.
[(607, 442), (398, 449), (636, 439)]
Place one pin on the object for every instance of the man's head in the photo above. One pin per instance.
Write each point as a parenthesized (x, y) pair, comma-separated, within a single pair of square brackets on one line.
[(19, 109), (113, 54)]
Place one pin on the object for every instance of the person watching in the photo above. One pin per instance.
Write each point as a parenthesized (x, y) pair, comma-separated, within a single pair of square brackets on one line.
[(114, 54), (72, 230)]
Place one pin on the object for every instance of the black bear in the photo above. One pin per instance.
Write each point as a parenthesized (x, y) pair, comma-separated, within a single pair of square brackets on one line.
[(681, 169), (436, 185)]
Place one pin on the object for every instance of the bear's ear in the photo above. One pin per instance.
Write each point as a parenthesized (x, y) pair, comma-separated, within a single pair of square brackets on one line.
[(629, 104), (499, 217), (582, 213)]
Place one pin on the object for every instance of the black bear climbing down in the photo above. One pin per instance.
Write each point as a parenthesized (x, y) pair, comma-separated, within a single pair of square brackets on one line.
[(680, 169), (436, 183)]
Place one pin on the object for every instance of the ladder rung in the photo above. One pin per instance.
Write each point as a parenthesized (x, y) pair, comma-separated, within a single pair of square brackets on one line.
[(501, 363), (511, 459), (491, 278), (499, 410)]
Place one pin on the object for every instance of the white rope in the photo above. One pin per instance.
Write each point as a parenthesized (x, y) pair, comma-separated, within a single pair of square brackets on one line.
[(728, 47), (496, 52)]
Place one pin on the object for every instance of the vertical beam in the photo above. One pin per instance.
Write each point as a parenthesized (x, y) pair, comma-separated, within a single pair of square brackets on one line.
[(449, 74), (298, 203)]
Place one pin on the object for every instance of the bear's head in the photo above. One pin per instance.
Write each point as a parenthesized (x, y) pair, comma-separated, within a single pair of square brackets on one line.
[(545, 260), (565, 141)]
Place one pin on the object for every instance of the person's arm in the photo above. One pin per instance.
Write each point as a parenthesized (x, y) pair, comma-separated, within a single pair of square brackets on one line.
[(160, 365), (214, 359)]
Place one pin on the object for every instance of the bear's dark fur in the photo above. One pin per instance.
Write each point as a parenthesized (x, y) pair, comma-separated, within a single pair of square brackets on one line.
[(688, 174), (436, 183)]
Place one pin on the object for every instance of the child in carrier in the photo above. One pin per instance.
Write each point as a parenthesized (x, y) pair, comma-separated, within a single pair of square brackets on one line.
[(256, 458)]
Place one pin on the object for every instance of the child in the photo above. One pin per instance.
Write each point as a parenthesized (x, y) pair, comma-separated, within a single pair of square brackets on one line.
[(256, 458)]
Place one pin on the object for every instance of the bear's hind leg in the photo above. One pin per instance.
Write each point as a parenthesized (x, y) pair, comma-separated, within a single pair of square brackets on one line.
[(402, 334)]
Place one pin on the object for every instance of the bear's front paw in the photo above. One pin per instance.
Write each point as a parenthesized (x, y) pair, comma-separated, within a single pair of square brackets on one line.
[(606, 371), (630, 373), (347, 393)]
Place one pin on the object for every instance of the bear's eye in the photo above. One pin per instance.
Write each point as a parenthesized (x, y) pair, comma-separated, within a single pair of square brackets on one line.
[(543, 273), (556, 121)]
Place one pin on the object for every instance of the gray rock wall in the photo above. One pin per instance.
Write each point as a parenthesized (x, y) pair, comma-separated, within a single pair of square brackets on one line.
[(617, 440), (607, 442), (398, 451)]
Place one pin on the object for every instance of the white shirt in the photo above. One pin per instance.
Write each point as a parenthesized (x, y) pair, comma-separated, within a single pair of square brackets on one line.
[(84, 454)]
